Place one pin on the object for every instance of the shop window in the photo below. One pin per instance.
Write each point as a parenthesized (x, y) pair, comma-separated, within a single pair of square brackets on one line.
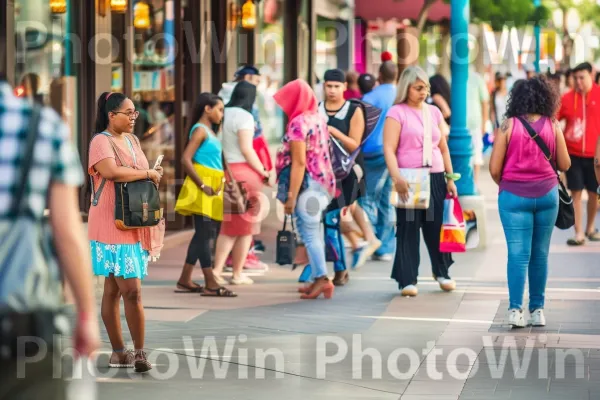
[(326, 46), (154, 90), (270, 63), (40, 53)]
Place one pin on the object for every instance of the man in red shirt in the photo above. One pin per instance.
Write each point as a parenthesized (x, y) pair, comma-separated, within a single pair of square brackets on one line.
[(580, 108)]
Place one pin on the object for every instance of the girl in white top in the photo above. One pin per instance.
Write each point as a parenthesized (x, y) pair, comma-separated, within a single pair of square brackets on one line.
[(237, 230)]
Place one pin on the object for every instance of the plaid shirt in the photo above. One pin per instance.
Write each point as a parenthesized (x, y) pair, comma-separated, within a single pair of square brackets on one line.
[(55, 158)]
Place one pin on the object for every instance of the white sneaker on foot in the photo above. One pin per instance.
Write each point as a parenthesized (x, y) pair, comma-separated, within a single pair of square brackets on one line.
[(516, 318), (366, 252), (242, 280), (537, 318), (383, 257), (410, 290), (447, 285)]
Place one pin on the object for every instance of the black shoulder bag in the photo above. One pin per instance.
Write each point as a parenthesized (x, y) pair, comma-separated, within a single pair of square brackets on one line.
[(137, 204), (566, 212)]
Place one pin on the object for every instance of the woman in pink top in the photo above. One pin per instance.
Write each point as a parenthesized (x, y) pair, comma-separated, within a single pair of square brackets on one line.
[(403, 135), (118, 255), (528, 200), (306, 183)]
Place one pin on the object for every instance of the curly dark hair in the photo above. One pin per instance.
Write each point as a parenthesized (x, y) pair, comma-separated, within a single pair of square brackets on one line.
[(533, 96)]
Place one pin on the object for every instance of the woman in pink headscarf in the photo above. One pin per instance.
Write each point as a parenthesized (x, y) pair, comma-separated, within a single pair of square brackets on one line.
[(306, 179)]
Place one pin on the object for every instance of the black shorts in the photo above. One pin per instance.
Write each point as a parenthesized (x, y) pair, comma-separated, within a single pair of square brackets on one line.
[(352, 190), (581, 175)]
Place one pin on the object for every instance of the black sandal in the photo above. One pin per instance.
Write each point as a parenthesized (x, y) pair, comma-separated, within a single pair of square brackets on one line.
[(219, 292), (189, 289), (342, 278), (575, 242)]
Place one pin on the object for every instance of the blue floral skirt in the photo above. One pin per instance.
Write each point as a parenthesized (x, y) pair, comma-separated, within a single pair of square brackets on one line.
[(121, 260)]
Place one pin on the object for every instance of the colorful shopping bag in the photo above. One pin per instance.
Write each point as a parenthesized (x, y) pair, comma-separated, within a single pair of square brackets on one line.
[(453, 234)]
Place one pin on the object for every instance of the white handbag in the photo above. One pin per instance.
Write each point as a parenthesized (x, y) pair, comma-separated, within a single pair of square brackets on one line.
[(418, 179)]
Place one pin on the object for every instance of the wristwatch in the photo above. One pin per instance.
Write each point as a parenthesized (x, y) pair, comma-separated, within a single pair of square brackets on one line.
[(202, 186)]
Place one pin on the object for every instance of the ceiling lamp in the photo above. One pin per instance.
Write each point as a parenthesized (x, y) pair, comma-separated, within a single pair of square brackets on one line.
[(58, 6), (249, 15), (141, 15), (118, 6)]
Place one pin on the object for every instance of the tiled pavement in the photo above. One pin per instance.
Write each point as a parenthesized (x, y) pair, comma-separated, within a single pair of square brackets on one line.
[(369, 343)]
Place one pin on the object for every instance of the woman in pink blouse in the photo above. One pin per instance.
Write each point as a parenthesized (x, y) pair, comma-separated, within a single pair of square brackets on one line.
[(118, 255), (403, 138), (305, 175)]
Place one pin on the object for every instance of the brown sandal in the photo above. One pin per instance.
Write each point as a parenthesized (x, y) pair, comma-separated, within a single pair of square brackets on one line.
[(219, 292)]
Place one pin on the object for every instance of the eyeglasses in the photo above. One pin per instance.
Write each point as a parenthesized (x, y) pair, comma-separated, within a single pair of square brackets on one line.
[(130, 114)]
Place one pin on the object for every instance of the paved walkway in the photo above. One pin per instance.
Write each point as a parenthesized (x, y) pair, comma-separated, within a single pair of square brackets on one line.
[(368, 342)]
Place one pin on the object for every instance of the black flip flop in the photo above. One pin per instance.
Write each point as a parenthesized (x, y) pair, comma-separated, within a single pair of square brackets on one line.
[(575, 242), (189, 289), (220, 292), (593, 236)]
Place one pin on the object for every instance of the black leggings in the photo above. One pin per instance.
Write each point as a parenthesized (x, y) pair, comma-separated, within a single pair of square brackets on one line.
[(409, 223), (202, 244)]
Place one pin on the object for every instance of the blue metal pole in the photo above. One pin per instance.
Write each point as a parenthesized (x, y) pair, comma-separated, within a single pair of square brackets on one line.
[(538, 44), (460, 144)]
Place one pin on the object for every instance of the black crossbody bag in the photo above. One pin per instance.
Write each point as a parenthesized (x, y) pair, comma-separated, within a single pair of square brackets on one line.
[(566, 212)]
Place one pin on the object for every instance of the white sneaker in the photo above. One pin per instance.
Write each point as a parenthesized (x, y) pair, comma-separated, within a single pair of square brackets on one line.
[(447, 285), (410, 291), (383, 257), (366, 252), (516, 318), (537, 318), (242, 280)]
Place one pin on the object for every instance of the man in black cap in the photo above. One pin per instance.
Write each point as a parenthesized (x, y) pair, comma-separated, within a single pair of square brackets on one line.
[(346, 122)]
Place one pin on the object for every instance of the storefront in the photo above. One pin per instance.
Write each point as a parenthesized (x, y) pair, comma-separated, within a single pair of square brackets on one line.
[(71, 51), (161, 53), (334, 36)]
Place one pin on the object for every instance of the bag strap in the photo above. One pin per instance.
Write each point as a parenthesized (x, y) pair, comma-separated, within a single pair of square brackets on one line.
[(540, 142), (32, 134), (427, 136), (285, 223), (96, 193), (227, 170)]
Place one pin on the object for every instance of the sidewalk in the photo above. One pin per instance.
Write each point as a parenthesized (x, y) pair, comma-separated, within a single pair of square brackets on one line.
[(368, 342)]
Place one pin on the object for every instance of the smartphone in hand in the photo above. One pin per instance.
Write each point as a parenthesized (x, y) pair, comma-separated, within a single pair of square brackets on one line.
[(158, 161)]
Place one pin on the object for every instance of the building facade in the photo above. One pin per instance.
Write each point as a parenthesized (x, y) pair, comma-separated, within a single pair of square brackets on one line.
[(161, 53)]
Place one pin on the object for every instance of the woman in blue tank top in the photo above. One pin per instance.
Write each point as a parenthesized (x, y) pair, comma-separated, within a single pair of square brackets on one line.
[(201, 195)]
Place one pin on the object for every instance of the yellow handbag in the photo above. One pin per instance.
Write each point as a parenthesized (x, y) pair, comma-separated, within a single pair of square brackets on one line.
[(193, 201)]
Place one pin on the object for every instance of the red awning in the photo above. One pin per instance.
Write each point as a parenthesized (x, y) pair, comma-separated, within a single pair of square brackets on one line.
[(399, 9)]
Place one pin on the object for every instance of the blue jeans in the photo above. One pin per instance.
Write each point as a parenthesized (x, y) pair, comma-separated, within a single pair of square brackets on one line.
[(377, 204), (309, 216), (528, 224)]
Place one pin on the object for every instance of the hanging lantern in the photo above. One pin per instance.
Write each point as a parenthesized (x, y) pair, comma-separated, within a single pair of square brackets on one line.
[(249, 15), (141, 15), (118, 6), (58, 6)]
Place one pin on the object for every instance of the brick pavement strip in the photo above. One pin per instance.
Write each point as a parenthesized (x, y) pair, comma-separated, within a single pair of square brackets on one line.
[(368, 331)]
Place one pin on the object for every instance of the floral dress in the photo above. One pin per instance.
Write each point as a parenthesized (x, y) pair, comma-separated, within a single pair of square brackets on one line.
[(114, 252)]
